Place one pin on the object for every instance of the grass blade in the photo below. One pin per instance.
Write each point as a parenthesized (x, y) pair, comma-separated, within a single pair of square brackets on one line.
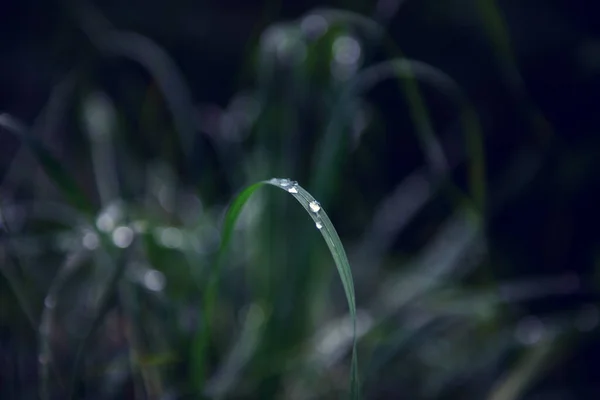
[(322, 223)]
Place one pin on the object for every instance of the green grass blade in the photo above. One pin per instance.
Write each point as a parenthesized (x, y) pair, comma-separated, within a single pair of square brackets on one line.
[(322, 224)]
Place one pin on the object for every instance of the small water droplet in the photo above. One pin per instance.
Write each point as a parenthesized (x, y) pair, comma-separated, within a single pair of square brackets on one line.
[(314, 206), (105, 223), (90, 241), (122, 236), (284, 182), (154, 280), (109, 218), (318, 225), (293, 189)]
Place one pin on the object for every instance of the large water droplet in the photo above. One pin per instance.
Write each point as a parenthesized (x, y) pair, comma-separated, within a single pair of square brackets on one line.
[(154, 280), (314, 206), (122, 236), (318, 225), (293, 189), (110, 217), (284, 182), (105, 223)]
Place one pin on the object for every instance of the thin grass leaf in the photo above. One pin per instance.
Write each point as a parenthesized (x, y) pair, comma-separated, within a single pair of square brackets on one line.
[(45, 124), (51, 166), (72, 263), (521, 377), (6, 270), (142, 50), (9, 273), (322, 223), (410, 72), (118, 263)]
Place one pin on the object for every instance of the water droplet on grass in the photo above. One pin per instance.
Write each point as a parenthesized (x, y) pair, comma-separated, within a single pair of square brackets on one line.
[(314, 206), (90, 241), (110, 217), (154, 280), (122, 236), (105, 223), (318, 225), (293, 189)]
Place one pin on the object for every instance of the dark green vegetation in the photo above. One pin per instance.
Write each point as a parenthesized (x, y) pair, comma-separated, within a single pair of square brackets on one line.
[(139, 259)]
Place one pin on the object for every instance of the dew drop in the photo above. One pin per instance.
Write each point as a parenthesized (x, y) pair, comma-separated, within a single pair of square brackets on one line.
[(105, 223), (314, 206), (122, 236), (90, 241), (109, 218), (154, 280), (293, 189), (284, 182), (318, 225)]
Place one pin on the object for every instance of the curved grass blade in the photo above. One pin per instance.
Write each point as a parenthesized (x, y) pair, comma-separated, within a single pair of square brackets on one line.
[(6, 270), (51, 166), (72, 263), (104, 305), (410, 73), (409, 70), (322, 223), (147, 53)]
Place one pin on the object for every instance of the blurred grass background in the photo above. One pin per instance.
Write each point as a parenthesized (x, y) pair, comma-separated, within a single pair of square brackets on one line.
[(452, 143)]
